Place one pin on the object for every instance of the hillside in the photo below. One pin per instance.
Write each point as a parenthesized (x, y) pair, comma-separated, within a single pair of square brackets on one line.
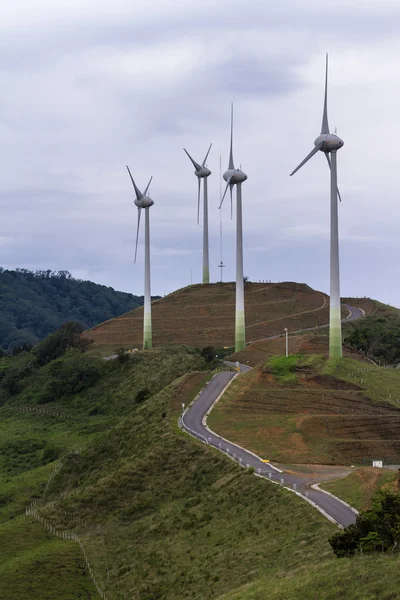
[(306, 409), (34, 304), (159, 515), (203, 315)]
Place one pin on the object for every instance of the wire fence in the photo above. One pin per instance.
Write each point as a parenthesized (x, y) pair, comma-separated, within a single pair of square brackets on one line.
[(32, 511)]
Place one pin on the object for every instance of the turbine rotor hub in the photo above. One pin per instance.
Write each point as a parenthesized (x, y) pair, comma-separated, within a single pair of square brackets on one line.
[(144, 202), (330, 142), (235, 175), (203, 172)]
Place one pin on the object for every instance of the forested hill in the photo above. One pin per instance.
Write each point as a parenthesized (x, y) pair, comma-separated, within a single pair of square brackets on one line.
[(34, 304)]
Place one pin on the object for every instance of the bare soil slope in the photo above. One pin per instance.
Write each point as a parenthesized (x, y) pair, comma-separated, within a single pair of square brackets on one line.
[(313, 414), (202, 315)]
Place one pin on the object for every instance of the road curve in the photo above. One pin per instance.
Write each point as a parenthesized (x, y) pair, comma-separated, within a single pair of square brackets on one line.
[(354, 314), (193, 421)]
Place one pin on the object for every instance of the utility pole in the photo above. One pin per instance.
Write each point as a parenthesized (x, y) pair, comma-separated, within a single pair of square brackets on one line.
[(287, 341)]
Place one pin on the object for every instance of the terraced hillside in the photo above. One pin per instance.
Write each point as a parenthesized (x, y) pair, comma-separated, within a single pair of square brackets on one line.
[(202, 315), (304, 410)]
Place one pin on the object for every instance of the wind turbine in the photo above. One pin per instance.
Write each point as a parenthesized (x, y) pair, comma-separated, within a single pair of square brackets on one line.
[(202, 172), (236, 177), (144, 201), (329, 144)]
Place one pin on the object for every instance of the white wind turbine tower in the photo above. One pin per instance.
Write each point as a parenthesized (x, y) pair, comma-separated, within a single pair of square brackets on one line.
[(202, 172), (236, 177), (329, 144), (143, 201)]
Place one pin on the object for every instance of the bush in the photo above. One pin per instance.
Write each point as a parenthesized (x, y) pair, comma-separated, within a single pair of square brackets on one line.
[(70, 374), (15, 370), (378, 336), (56, 344), (122, 356), (48, 454), (208, 353), (142, 395), (377, 529)]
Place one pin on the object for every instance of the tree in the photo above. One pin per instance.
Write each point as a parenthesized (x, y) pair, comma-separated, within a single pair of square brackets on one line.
[(208, 353), (377, 529), (35, 304), (68, 336)]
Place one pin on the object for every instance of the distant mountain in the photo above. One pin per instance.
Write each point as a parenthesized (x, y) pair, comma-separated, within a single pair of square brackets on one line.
[(35, 303)]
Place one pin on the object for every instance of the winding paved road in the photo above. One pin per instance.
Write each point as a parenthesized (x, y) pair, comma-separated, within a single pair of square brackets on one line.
[(194, 422)]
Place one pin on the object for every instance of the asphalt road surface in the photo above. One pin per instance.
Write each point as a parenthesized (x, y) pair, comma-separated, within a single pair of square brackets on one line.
[(193, 422), (354, 314)]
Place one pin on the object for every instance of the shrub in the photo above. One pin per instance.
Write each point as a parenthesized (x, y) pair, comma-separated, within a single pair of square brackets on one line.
[(70, 374), (208, 353), (374, 529), (122, 356), (56, 344), (142, 395)]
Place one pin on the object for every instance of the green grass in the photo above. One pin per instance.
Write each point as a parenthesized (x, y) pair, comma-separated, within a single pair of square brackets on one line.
[(284, 368), (358, 488), (374, 577), (379, 383), (36, 566), (161, 515), (30, 442), (178, 519)]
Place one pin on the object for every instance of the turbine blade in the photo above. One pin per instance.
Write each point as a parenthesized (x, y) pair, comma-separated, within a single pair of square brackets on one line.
[(204, 161), (139, 194), (137, 231), (195, 164), (148, 185), (198, 200), (228, 183), (313, 151), (325, 125), (231, 164), (329, 163)]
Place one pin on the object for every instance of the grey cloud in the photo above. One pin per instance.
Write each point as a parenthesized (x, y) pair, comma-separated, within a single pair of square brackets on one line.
[(70, 120)]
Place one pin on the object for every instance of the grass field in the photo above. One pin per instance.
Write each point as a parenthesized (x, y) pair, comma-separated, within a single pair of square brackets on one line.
[(373, 577), (161, 515), (37, 566), (358, 488), (202, 315), (307, 409), (33, 564)]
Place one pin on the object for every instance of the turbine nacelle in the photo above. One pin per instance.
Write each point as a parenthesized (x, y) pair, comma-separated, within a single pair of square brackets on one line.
[(202, 172), (144, 202), (234, 176), (328, 142)]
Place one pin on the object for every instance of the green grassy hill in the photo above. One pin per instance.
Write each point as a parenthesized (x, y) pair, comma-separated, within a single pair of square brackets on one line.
[(34, 304), (365, 577), (160, 515)]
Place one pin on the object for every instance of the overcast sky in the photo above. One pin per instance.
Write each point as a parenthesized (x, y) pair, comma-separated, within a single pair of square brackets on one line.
[(90, 86)]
